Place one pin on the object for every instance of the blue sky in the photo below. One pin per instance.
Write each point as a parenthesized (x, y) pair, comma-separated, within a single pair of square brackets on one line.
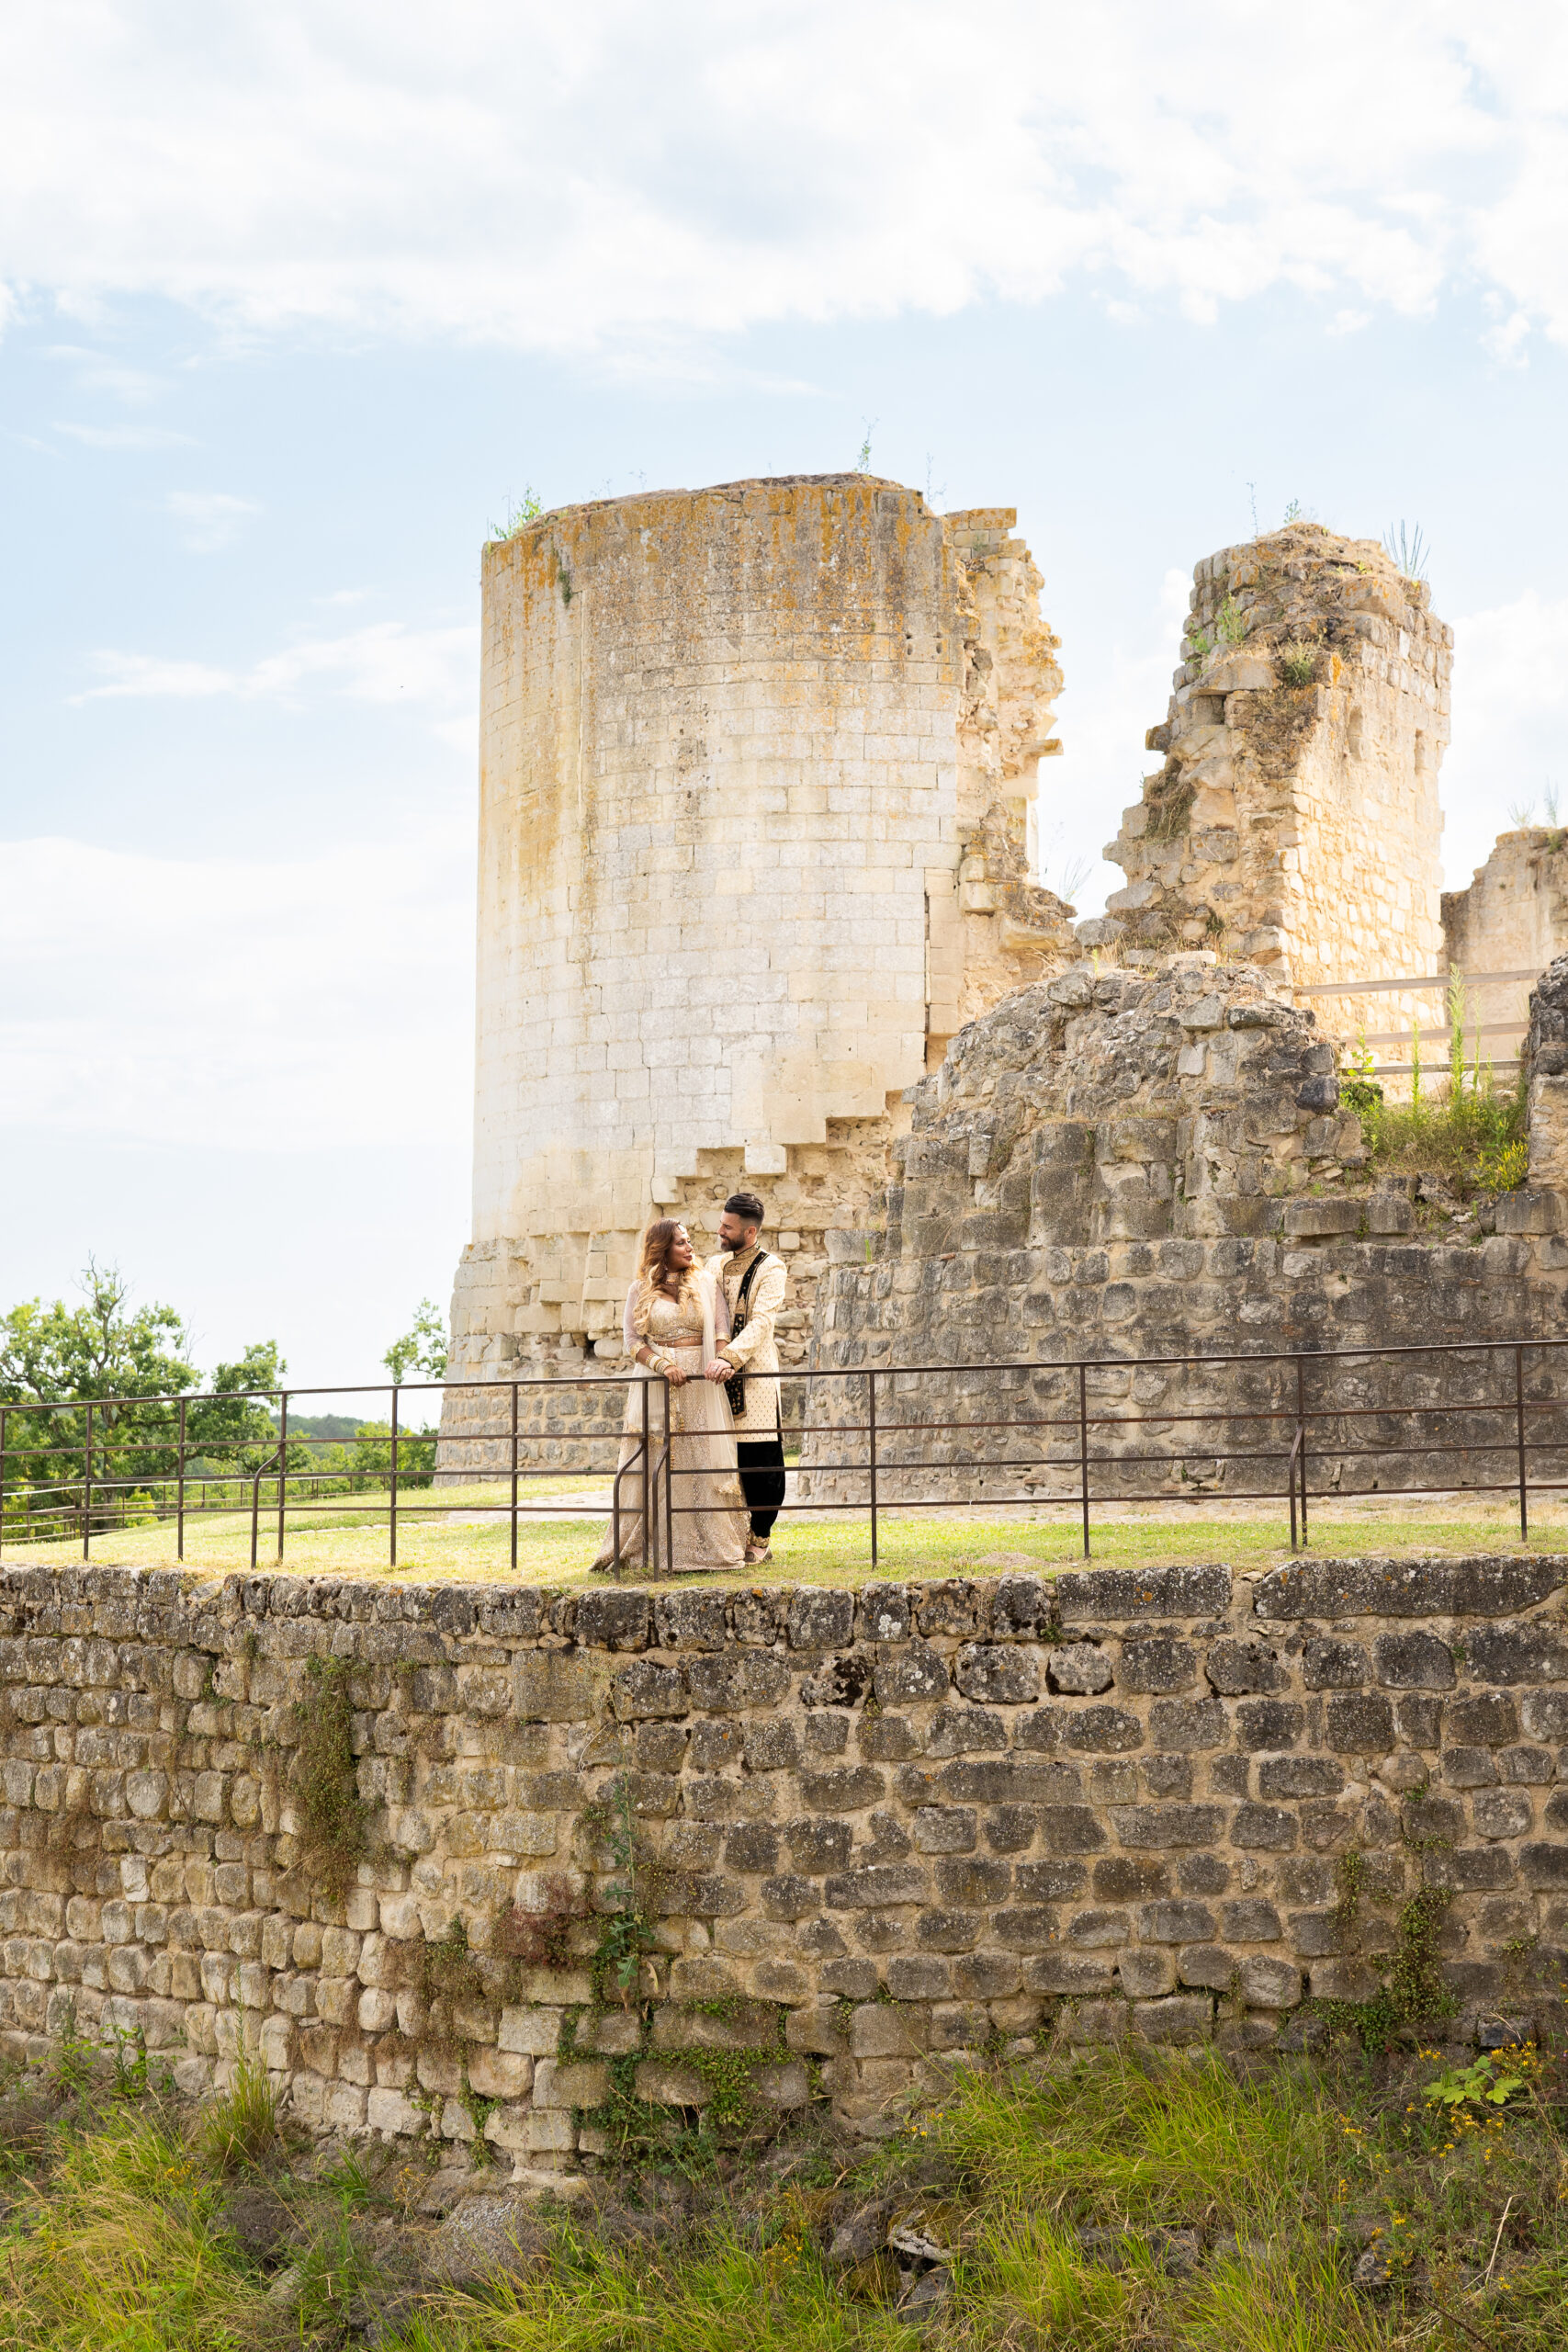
[(295, 306)]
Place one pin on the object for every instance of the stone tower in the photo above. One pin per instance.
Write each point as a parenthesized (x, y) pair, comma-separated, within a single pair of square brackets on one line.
[(1294, 820), (755, 767)]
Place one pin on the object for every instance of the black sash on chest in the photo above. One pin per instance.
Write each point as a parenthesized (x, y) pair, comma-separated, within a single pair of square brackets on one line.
[(736, 1389)]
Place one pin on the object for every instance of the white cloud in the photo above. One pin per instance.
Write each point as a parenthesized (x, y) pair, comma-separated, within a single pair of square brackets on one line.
[(1510, 708), (511, 171), (384, 661), (209, 519), (244, 1006)]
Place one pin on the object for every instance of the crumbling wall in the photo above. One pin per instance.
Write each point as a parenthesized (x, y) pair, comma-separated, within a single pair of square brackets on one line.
[(873, 1829), (755, 769), (1296, 820), (1154, 1162), (1512, 918)]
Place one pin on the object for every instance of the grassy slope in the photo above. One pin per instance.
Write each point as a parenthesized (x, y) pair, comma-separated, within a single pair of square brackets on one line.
[(129, 2223)]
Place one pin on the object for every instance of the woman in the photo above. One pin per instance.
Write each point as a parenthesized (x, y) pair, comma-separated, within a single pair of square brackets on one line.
[(676, 1320)]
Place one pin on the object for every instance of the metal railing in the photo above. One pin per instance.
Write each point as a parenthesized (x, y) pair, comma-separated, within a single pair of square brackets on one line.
[(1293, 1428)]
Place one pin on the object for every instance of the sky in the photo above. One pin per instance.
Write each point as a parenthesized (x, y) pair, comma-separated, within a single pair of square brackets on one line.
[(297, 305)]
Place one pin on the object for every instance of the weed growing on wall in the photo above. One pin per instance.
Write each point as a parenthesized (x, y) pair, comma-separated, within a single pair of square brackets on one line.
[(627, 1930), (334, 1817), (1473, 1135), (1413, 1995)]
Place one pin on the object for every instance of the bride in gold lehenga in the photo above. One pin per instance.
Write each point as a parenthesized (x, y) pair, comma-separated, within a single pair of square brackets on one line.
[(676, 1320)]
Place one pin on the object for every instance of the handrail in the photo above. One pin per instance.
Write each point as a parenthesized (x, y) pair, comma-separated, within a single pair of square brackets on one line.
[(1287, 1430)]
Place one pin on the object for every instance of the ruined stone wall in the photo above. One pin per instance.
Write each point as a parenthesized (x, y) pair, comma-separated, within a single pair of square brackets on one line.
[(1154, 1162), (755, 770), (1513, 917), (889, 1825), (1297, 823)]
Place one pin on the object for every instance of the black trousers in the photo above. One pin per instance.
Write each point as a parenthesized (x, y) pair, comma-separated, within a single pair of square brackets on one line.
[(761, 1481)]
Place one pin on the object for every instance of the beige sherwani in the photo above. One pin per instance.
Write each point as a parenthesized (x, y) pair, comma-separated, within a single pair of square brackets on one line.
[(753, 1350)]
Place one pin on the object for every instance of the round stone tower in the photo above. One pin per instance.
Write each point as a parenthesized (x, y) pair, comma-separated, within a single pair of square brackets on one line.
[(755, 763)]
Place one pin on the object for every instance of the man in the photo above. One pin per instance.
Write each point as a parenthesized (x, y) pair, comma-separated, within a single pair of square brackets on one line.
[(753, 1281)]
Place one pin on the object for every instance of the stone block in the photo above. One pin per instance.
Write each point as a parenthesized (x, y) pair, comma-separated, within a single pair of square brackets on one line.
[(1235, 1668), (1414, 1662), (1182, 2019), (1308, 1220), (583, 2083), (1080, 1669), (996, 1674)]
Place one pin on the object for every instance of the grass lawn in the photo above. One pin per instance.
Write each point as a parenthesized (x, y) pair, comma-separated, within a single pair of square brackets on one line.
[(448, 1540), (1042, 2203)]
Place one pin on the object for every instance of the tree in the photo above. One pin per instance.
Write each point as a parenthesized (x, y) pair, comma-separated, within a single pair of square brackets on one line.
[(53, 1354), (57, 1356), (422, 1347), (134, 1364), (234, 1421)]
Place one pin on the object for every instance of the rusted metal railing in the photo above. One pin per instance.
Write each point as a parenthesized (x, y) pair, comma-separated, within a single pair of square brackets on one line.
[(1291, 1427)]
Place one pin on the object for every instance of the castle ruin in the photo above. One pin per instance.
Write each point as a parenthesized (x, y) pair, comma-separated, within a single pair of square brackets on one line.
[(757, 766)]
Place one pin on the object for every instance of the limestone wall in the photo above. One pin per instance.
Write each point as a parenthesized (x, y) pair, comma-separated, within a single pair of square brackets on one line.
[(1513, 917), (876, 1828), (1154, 1162), (1298, 824), (756, 762)]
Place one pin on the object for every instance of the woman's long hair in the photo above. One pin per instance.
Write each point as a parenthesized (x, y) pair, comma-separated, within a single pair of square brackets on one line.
[(653, 1264)]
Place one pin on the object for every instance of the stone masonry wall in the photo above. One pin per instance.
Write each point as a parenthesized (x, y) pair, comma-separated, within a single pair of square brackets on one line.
[(891, 1825), (1512, 918), (1154, 1163), (1295, 820)]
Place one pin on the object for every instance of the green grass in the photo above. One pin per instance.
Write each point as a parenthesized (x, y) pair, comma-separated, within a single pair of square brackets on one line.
[(1085, 2203), (812, 1549)]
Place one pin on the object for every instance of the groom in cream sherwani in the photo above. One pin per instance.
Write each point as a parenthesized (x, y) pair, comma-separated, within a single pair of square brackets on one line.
[(753, 1281)]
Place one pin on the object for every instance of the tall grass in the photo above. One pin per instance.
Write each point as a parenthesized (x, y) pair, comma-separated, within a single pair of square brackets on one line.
[(241, 2126), (123, 2251)]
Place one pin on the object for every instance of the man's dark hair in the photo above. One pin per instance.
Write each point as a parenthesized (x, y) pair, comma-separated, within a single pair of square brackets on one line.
[(747, 1207)]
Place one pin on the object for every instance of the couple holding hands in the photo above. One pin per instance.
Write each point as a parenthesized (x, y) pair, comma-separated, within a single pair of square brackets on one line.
[(709, 1331)]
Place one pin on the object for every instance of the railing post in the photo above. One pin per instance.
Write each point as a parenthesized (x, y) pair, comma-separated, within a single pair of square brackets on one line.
[(668, 1480), (647, 1488), (2, 1479), (1301, 1440), (282, 1466), (87, 1494), (392, 1499), (871, 1429), (180, 1490), (1083, 1450), (256, 1513), (1519, 1419), (514, 1477)]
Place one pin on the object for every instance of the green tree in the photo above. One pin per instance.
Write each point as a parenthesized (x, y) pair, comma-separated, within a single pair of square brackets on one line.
[(236, 1424), (134, 1364), (422, 1347), (58, 1356)]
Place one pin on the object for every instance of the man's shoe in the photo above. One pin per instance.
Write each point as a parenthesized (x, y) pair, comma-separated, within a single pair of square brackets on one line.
[(757, 1551)]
